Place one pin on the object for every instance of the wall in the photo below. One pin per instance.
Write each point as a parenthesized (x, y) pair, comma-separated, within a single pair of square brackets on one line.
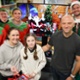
[(34, 1)]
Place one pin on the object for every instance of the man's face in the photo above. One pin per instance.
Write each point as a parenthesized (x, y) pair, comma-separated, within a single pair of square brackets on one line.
[(76, 10), (3, 16), (67, 24)]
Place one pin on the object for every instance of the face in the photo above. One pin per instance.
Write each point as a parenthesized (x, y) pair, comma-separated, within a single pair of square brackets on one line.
[(76, 10), (30, 42), (17, 15), (3, 16), (67, 23), (13, 37)]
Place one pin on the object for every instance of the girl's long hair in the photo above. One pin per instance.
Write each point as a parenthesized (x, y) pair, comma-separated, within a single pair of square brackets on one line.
[(35, 47)]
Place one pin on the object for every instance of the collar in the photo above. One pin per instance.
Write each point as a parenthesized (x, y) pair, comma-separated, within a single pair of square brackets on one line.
[(31, 50), (4, 22)]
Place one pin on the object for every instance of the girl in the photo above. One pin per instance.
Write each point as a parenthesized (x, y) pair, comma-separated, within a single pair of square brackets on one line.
[(19, 24), (32, 58), (10, 55)]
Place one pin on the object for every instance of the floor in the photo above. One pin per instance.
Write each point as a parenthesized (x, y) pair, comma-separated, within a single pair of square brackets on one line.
[(46, 75)]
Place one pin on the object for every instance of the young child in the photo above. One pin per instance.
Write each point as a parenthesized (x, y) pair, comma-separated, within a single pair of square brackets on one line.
[(32, 58)]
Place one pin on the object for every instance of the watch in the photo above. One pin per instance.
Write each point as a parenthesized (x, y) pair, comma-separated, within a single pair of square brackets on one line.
[(73, 76)]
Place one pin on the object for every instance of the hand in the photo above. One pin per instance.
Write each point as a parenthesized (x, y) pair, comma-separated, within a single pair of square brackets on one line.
[(69, 78), (32, 75), (14, 70)]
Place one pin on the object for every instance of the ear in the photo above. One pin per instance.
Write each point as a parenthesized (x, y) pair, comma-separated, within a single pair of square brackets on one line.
[(9, 36)]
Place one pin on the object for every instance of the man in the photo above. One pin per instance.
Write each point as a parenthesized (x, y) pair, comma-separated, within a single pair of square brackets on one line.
[(66, 49), (75, 7), (4, 27), (3, 17)]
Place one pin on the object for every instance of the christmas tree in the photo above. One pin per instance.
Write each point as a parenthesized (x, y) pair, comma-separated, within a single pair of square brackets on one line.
[(48, 15)]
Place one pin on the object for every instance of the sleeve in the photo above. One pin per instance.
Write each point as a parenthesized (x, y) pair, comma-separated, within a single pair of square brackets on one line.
[(42, 61), (22, 61), (3, 64), (4, 35), (51, 40), (78, 48)]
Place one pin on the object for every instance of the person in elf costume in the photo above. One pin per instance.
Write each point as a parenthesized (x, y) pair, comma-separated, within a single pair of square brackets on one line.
[(75, 7), (4, 27), (19, 24), (2, 35)]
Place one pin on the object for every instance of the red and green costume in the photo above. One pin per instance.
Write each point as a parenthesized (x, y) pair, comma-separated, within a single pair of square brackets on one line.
[(78, 30), (2, 35), (23, 29), (4, 27)]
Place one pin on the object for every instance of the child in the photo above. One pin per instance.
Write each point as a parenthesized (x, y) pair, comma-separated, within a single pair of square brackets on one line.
[(32, 58)]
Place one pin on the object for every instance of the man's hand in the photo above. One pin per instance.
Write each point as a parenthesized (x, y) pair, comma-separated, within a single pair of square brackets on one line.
[(69, 78)]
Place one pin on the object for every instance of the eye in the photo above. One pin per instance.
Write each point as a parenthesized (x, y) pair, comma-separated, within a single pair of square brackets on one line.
[(15, 13), (32, 40), (17, 34), (13, 34), (28, 40), (69, 23), (63, 23), (19, 13)]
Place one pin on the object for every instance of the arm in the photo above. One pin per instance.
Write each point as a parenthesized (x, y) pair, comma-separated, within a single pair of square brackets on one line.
[(22, 62), (3, 64), (76, 68), (46, 47), (42, 62), (77, 65)]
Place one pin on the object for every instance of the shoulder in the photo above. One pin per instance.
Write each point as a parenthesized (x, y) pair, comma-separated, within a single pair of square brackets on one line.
[(22, 51), (23, 23), (20, 44), (57, 33), (11, 24), (76, 36), (2, 47), (38, 47)]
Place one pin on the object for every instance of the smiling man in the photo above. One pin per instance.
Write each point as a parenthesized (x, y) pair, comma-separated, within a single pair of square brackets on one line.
[(66, 49)]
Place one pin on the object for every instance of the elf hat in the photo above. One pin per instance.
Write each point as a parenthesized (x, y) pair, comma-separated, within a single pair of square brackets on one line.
[(3, 9), (73, 3)]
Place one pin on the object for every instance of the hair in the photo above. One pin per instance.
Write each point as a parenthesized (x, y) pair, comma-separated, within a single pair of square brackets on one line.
[(25, 49), (16, 9), (3, 9), (11, 29)]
